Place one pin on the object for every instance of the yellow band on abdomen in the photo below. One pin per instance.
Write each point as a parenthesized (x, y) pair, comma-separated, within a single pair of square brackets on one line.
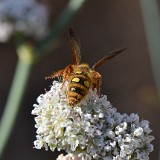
[(76, 79)]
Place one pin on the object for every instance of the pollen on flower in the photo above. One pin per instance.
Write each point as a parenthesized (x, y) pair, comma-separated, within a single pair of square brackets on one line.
[(92, 129)]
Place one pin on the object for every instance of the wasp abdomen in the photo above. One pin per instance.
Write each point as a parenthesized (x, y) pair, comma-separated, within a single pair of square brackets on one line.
[(78, 89)]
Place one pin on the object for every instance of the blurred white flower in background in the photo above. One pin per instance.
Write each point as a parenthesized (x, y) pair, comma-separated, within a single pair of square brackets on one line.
[(5, 31), (92, 129), (28, 17)]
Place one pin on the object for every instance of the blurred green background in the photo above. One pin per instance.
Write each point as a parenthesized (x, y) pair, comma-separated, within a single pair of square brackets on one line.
[(128, 81)]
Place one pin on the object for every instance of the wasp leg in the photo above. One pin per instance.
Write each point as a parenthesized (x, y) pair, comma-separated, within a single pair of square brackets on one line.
[(97, 81), (57, 75), (66, 74)]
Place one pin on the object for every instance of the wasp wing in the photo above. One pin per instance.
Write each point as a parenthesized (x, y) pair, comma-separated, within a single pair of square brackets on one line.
[(75, 44), (108, 57)]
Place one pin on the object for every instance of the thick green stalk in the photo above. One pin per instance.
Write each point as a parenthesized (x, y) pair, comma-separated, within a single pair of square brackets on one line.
[(64, 20), (151, 17), (23, 69)]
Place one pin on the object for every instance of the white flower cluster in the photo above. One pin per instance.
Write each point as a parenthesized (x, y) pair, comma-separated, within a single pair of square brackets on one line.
[(26, 16), (92, 129), (68, 157)]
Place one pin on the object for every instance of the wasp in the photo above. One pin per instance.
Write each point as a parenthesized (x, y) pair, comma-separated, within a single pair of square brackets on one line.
[(80, 76)]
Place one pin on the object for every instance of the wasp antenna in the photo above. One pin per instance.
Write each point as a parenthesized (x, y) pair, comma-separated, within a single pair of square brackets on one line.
[(108, 57), (48, 77)]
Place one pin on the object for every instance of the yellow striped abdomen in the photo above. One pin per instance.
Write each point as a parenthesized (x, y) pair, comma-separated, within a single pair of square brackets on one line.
[(78, 89)]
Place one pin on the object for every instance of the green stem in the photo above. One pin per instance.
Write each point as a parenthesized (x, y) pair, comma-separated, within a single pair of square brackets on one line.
[(25, 61), (64, 19), (151, 17)]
